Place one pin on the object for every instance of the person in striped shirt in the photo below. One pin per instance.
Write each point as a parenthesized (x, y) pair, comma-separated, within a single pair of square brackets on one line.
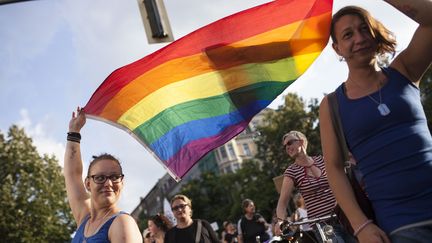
[(308, 175)]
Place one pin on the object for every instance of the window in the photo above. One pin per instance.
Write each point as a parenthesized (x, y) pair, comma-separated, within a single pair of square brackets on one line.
[(231, 151), (246, 149), (223, 152), (217, 156), (228, 170), (235, 166)]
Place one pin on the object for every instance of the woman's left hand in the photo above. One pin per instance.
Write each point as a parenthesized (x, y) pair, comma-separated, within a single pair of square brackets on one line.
[(372, 234), (77, 121)]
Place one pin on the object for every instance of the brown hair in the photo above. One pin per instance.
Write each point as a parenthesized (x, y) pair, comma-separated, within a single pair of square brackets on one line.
[(297, 200), (384, 38), (246, 203), (161, 222), (104, 156)]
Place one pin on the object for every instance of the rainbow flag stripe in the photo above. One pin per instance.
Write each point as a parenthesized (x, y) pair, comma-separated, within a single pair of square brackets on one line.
[(200, 91)]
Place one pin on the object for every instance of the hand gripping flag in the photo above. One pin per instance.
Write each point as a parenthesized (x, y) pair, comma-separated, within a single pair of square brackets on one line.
[(200, 91)]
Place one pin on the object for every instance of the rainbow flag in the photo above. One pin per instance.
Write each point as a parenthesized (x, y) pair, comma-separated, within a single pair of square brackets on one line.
[(202, 90)]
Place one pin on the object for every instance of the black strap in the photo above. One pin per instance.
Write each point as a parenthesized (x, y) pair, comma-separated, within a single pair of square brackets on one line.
[(337, 125), (198, 233)]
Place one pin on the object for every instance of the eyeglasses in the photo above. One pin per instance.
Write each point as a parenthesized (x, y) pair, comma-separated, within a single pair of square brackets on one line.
[(180, 206), (290, 142), (101, 179)]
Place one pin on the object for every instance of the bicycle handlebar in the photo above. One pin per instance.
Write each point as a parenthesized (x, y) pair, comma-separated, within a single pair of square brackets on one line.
[(307, 221)]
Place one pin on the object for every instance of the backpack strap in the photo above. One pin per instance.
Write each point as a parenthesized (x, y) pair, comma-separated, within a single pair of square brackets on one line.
[(198, 233), (242, 222), (338, 129)]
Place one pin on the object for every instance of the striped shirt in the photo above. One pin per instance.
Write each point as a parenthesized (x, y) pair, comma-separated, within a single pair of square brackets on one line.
[(318, 197)]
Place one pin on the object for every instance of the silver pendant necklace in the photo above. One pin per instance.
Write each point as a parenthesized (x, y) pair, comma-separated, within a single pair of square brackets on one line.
[(97, 228), (383, 109)]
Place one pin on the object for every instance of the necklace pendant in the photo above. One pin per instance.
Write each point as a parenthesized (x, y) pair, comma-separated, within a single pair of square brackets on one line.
[(383, 109)]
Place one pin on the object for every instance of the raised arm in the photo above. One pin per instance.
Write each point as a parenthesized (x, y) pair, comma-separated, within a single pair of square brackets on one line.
[(339, 182), (78, 198), (284, 197), (416, 58)]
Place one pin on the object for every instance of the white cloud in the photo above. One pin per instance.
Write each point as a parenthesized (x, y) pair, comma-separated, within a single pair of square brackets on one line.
[(44, 143)]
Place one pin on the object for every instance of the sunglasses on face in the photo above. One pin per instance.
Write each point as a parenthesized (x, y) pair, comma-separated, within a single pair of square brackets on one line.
[(290, 142), (180, 206), (101, 179)]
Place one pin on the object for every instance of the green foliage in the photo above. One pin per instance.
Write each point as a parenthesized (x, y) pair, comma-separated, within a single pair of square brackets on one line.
[(142, 221), (33, 205), (293, 115), (218, 198)]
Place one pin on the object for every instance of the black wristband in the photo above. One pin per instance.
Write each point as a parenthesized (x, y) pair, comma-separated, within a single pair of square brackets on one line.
[(74, 137)]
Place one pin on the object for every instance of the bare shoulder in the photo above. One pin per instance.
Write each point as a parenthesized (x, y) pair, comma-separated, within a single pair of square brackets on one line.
[(323, 109), (124, 229), (124, 220), (324, 100), (324, 116)]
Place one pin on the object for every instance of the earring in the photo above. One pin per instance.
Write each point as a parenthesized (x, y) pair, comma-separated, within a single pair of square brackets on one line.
[(341, 58)]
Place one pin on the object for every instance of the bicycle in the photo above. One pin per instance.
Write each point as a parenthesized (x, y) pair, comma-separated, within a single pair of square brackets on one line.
[(325, 231)]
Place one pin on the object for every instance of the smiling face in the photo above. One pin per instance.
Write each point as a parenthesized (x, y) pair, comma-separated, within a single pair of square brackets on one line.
[(354, 40), (292, 145), (108, 192)]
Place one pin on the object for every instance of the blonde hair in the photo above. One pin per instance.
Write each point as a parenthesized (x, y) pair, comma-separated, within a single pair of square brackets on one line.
[(185, 199), (297, 135), (182, 197)]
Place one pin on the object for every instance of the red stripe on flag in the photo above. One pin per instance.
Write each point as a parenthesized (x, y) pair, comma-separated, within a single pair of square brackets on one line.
[(227, 30)]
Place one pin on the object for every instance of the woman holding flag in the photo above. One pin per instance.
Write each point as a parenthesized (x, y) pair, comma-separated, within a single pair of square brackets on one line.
[(384, 125), (96, 214)]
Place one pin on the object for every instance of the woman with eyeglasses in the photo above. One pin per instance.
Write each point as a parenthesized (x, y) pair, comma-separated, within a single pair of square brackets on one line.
[(188, 230), (308, 175), (93, 202)]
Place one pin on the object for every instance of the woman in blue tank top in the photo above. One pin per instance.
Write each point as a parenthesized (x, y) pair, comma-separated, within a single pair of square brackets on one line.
[(384, 125), (98, 218)]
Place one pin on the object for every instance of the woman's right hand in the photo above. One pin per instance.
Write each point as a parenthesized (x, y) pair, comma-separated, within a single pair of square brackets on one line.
[(77, 121), (372, 234)]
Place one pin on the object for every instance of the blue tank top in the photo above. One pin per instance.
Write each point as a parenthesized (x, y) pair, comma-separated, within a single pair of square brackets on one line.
[(393, 152), (101, 235)]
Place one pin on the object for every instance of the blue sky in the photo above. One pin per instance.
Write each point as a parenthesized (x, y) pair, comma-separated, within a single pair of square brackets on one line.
[(54, 54)]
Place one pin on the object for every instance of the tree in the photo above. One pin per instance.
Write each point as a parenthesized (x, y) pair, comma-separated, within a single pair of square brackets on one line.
[(292, 115), (33, 204), (211, 195)]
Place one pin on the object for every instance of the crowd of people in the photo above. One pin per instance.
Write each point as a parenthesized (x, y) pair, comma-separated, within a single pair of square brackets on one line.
[(385, 129)]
